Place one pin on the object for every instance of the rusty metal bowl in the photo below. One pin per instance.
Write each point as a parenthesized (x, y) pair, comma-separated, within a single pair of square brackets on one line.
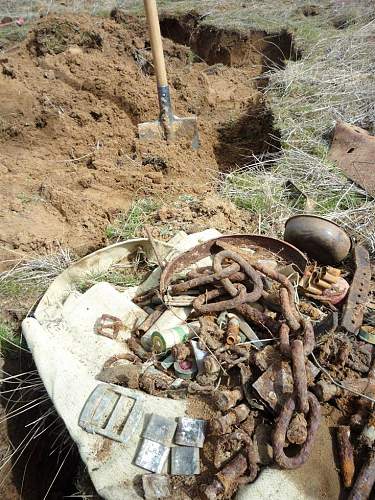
[(321, 239)]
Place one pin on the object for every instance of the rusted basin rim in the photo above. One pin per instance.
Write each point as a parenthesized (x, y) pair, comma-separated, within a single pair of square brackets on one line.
[(283, 249)]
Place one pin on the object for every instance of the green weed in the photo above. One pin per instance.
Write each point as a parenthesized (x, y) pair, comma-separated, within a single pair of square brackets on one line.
[(129, 225), (9, 341), (125, 278)]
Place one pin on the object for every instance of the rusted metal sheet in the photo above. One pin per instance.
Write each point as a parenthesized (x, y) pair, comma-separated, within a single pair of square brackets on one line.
[(353, 151), (358, 294)]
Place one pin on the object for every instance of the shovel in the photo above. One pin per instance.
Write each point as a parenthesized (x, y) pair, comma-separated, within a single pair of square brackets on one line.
[(169, 126)]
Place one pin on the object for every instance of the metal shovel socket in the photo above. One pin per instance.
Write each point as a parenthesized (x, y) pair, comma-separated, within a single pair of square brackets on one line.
[(169, 127)]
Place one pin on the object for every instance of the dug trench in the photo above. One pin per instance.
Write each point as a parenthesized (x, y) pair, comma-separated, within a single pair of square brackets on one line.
[(71, 97)]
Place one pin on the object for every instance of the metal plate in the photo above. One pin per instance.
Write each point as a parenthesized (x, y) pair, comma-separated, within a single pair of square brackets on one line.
[(190, 432), (185, 461), (152, 456), (160, 429), (112, 411)]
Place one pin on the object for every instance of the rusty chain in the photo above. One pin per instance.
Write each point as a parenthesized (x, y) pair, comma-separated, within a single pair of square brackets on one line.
[(297, 350), (301, 400)]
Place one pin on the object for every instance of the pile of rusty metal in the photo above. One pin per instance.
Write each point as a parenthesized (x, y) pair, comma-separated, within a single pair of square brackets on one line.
[(245, 322)]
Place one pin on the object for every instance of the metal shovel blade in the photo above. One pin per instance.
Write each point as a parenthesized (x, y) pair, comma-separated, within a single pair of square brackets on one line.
[(172, 129)]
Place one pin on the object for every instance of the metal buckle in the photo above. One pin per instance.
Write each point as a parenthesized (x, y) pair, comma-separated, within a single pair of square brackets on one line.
[(112, 411)]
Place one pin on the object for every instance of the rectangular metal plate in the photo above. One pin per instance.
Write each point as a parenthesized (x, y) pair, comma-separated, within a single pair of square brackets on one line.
[(152, 456), (112, 411), (160, 429), (190, 432), (185, 461)]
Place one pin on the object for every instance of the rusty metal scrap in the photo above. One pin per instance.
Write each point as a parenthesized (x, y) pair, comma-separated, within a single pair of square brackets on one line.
[(108, 326), (365, 480), (223, 425), (181, 352), (233, 331), (297, 429), (224, 400), (299, 375), (358, 293), (226, 480), (256, 293), (345, 452), (313, 419)]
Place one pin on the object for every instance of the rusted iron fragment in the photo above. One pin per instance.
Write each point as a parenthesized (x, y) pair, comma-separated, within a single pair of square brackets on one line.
[(223, 425), (226, 480), (353, 151), (297, 430), (276, 384), (354, 309), (365, 480), (299, 375), (227, 399), (345, 451)]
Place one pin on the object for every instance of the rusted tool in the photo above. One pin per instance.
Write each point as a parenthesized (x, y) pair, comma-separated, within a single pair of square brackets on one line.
[(345, 450), (168, 126), (355, 305)]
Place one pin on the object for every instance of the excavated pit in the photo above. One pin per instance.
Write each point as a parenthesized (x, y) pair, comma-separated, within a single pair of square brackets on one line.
[(71, 98), (253, 132)]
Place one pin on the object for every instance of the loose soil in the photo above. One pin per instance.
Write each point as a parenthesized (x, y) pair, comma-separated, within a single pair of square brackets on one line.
[(71, 97)]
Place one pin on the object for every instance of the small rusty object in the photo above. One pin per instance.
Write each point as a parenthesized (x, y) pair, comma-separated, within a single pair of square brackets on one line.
[(233, 331), (299, 375), (224, 400), (365, 480), (287, 292), (345, 452), (108, 326), (297, 430), (222, 425), (313, 419), (226, 480), (151, 319), (181, 351), (241, 436), (261, 319), (211, 365), (354, 308), (367, 437), (153, 381), (137, 349)]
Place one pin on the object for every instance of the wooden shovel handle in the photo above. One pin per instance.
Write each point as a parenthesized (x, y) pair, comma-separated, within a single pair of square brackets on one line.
[(156, 43)]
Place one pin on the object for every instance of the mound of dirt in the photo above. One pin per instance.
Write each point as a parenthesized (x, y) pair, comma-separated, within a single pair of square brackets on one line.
[(71, 97)]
